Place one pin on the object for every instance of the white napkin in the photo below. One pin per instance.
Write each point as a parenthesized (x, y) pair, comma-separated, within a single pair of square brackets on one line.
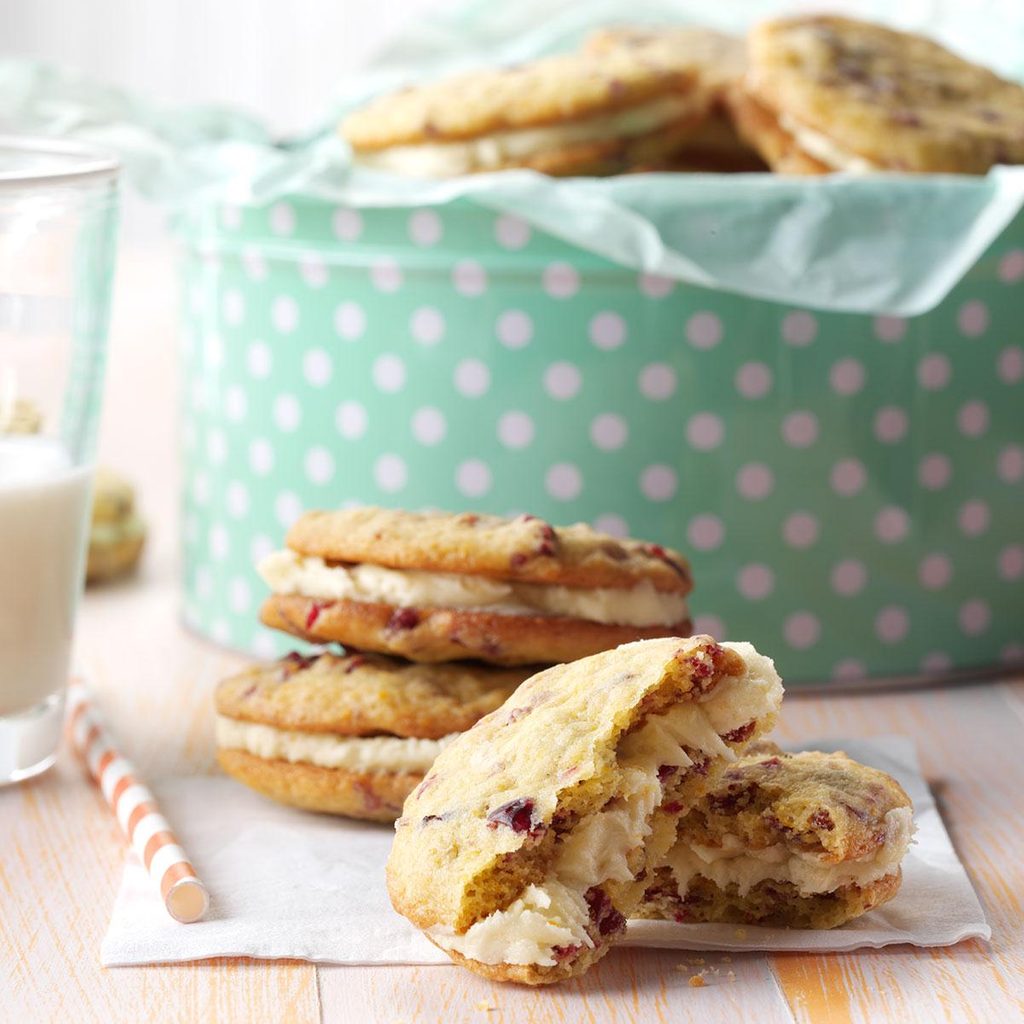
[(288, 884)]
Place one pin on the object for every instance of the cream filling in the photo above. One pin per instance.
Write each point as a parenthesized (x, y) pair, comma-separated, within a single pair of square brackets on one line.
[(287, 572), (353, 753), (554, 912), (734, 864), (499, 149), (822, 148)]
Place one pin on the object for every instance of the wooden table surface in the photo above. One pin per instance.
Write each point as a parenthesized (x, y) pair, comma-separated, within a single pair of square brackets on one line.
[(61, 853)]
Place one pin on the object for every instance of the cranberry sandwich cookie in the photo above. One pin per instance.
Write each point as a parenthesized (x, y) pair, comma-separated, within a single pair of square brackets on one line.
[(805, 840), (116, 534), (438, 587), (527, 845), (348, 735), (577, 113), (827, 93)]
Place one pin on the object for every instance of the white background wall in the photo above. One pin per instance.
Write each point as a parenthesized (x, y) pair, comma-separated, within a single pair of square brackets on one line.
[(280, 59)]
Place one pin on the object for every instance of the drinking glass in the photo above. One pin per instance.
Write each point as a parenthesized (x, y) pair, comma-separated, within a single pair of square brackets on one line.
[(58, 222)]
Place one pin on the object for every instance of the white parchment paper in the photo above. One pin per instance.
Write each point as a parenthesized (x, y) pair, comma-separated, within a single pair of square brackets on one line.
[(288, 884)]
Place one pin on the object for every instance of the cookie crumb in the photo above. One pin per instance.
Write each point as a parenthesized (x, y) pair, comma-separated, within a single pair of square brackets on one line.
[(697, 981)]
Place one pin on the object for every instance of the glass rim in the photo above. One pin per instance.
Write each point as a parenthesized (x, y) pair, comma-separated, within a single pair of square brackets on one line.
[(82, 162)]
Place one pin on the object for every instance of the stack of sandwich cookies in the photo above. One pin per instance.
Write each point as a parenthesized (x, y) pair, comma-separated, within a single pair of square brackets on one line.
[(825, 94), (806, 840), (528, 843), (352, 734), (435, 587), (571, 114)]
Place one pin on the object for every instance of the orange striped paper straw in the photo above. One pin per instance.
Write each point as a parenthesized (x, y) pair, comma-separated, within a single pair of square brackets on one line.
[(136, 810)]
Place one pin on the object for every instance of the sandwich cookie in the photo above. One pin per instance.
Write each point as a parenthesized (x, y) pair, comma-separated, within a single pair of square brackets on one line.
[(529, 842), (440, 587), (571, 114), (116, 534), (348, 735), (826, 93), (806, 840)]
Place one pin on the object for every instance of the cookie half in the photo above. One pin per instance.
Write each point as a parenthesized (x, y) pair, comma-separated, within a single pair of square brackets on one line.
[(806, 840), (854, 96), (348, 735), (577, 113), (527, 845), (116, 534), (438, 587)]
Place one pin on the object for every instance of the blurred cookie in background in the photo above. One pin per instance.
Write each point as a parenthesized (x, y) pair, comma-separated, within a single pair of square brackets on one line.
[(571, 114), (825, 94), (20, 417), (117, 534)]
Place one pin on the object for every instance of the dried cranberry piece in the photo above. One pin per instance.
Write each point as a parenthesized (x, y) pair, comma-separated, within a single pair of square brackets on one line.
[(771, 762), (300, 660), (604, 915), (562, 953), (249, 691), (517, 815), (427, 818), (672, 807), (354, 662), (517, 561), (666, 771), (313, 614), (404, 618), (822, 819), (744, 732)]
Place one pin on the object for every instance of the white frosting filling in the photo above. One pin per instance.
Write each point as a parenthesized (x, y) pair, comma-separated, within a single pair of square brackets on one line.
[(499, 149), (597, 850), (822, 148), (734, 864), (353, 753), (287, 572)]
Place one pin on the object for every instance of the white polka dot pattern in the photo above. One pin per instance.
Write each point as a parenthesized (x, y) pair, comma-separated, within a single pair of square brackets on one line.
[(847, 487)]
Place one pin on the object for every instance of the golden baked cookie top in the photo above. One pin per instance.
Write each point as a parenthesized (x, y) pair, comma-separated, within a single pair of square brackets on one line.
[(897, 100), (551, 90), (715, 57), (500, 802), (823, 804), (366, 695), (525, 549)]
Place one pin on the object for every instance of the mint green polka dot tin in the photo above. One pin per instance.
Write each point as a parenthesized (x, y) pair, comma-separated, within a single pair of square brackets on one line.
[(849, 488)]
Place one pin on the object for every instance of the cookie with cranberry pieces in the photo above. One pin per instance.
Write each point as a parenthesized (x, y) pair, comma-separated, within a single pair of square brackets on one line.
[(349, 735), (566, 114), (826, 93), (806, 840), (527, 845), (435, 587)]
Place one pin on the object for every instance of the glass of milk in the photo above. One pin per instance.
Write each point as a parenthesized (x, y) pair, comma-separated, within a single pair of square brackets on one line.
[(58, 219)]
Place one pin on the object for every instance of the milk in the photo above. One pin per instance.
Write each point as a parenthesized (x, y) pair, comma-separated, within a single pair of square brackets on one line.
[(43, 518)]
